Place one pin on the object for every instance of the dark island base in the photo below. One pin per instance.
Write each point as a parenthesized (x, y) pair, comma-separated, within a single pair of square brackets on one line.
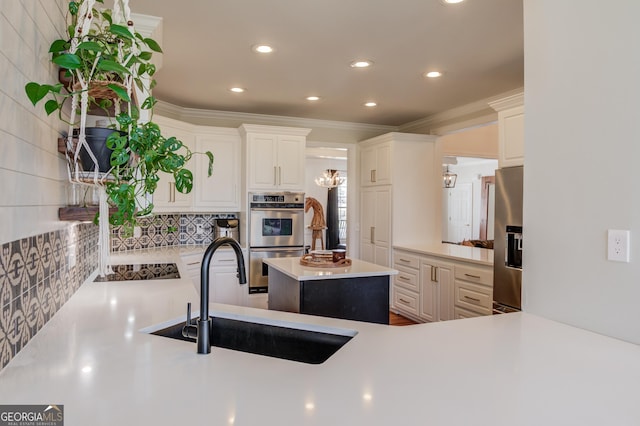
[(358, 299)]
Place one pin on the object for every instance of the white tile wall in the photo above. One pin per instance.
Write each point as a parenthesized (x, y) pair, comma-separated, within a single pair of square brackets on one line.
[(32, 173)]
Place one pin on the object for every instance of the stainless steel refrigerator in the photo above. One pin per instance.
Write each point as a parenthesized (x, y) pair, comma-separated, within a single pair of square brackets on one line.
[(507, 246)]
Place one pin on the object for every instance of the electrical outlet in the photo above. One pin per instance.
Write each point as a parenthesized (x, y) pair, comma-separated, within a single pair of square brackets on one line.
[(137, 231), (618, 243), (199, 229)]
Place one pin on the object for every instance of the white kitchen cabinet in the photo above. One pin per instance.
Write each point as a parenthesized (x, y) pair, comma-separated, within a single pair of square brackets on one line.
[(166, 197), (405, 291), (510, 130), (375, 230), (473, 289), (275, 157), (400, 183), (375, 165), (423, 288), (432, 288), (436, 290), (221, 190), (224, 286)]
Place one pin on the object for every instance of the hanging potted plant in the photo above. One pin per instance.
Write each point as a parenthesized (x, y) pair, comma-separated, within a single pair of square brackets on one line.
[(102, 63)]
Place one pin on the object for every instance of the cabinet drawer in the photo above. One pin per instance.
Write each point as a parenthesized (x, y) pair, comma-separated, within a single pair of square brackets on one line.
[(472, 296), (224, 257), (406, 260), (460, 313), (407, 278), (405, 300), (476, 275)]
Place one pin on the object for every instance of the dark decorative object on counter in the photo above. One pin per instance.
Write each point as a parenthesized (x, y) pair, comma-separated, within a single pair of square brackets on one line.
[(333, 227)]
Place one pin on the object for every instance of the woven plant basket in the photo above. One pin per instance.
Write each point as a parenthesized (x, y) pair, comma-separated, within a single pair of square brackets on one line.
[(99, 89)]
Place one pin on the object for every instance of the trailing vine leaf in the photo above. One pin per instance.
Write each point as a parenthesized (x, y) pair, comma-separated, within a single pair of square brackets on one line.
[(121, 31), (118, 90), (106, 65), (69, 61), (50, 106), (90, 45), (211, 158), (153, 45), (35, 92), (184, 180), (58, 46)]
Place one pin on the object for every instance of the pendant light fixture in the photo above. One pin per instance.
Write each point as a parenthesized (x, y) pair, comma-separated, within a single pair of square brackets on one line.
[(449, 178)]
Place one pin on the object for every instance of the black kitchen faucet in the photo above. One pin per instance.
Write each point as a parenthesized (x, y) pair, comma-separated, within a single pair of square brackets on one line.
[(202, 331)]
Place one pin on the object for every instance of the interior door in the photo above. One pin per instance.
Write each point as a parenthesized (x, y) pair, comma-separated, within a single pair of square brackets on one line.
[(460, 212)]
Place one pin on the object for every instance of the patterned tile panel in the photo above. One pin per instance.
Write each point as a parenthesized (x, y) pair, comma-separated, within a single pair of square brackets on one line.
[(35, 281), (165, 230)]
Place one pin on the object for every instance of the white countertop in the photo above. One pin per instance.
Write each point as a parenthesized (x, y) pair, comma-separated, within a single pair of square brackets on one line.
[(291, 267), (477, 255), (511, 369)]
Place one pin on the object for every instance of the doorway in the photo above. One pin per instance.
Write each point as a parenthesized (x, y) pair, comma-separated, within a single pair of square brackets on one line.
[(319, 159), (468, 208)]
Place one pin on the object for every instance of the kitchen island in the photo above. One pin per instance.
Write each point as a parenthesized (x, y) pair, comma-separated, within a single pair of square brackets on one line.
[(511, 369), (357, 292)]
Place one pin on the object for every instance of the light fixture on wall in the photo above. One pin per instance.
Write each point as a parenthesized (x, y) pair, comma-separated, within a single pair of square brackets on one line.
[(329, 179), (449, 178)]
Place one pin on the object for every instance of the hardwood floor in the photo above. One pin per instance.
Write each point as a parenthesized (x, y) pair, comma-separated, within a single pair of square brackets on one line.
[(395, 319)]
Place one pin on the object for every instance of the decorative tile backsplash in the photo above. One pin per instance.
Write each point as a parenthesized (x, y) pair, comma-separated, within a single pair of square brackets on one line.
[(165, 230), (155, 231), (36, 280)]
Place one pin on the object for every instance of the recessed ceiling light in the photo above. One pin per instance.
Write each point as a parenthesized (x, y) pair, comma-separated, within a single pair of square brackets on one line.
[(313, 98), (433, 74), (238, 90), (451, 1), (361, 64), (262, 48), (370, 104)]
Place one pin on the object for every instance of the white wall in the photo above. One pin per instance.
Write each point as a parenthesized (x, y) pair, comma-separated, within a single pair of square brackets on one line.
[(582, 139), (32, 173)]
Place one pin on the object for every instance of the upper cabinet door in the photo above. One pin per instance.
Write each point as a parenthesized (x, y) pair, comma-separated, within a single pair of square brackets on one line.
[(166, 197), (262, 162), (510, 130), (290, 172), (221, 190), (375, 165)]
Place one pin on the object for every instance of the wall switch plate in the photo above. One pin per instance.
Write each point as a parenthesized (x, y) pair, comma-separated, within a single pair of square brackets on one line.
[(618, 243)]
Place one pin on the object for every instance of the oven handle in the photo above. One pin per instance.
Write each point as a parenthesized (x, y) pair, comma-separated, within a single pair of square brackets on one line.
[(254, 249), (278, 209)]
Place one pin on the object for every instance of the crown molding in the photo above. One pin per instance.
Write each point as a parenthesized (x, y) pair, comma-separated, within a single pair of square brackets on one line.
[(507, 102), (472, 114), (235, 119), (275, 130)]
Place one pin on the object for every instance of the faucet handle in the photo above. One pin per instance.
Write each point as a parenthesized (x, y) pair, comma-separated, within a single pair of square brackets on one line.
[(189, 330)]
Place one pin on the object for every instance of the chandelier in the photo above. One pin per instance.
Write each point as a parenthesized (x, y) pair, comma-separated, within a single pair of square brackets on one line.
[(329, 179)]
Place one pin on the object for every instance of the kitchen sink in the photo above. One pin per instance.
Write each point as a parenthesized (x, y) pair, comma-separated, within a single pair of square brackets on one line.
[(287, 340)]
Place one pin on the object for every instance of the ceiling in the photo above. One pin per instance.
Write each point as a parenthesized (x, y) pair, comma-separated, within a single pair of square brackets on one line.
[(478, 44)]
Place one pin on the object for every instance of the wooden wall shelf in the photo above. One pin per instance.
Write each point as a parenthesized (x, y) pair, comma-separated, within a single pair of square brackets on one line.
[(84, 214)]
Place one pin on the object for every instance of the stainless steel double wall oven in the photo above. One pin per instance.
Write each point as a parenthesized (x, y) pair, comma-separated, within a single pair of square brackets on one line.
[(276, 229)]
